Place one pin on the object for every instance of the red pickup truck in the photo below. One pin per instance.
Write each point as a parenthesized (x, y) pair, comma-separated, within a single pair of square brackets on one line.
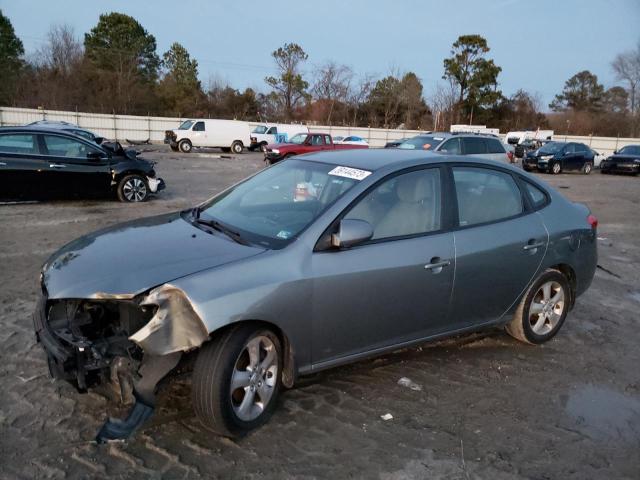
[(303, 143)]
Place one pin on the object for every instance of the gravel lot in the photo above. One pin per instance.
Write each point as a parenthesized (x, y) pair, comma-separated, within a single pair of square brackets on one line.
[(489, 407)]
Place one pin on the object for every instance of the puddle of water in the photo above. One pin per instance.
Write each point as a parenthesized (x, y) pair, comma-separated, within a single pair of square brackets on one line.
[(602, 413)]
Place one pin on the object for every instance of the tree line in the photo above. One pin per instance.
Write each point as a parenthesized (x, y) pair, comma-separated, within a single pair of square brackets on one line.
[(116, 68)]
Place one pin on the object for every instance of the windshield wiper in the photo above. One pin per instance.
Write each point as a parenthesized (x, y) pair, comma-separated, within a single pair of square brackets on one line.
[(216, 225)]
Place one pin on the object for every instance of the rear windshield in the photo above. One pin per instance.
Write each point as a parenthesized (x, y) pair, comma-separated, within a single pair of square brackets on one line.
[(553, 147), (421, 143)]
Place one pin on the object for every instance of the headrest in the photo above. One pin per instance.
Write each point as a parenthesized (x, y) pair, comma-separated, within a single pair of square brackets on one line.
[(413, 188)]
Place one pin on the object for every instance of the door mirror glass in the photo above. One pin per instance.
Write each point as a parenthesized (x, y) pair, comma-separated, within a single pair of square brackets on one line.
[(351, 232)]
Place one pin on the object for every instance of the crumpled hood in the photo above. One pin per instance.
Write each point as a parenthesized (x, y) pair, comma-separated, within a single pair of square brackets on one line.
[(132, 257)]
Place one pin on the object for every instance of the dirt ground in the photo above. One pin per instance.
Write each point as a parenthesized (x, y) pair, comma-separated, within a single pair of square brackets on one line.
[(488, 407)]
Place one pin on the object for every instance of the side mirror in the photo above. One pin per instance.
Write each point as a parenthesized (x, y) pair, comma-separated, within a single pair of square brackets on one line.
[(99, 140), (615, 152), (351, 232)]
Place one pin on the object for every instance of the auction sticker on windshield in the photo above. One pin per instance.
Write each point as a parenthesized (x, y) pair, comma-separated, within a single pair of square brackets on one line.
[(349, 172)]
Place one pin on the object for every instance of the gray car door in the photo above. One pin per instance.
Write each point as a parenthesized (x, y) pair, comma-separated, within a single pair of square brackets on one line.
[(499, 245), (394, 288)]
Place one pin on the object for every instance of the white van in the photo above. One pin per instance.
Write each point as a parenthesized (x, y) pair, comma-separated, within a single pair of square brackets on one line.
[(264, 134), (229, 135)]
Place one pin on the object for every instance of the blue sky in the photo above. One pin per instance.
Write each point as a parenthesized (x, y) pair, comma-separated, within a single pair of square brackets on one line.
[(538, 44)]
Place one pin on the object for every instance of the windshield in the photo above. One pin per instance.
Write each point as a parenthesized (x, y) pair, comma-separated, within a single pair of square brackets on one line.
[(274, 206), (630, 150), (259, 129), (186, 125), (298, 139), (550, 148), (421, 143)]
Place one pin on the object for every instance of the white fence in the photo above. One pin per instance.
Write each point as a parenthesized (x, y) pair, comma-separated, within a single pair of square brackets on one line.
[(129, 127)]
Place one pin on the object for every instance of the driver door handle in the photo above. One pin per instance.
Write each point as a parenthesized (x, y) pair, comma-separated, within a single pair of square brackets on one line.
[(56, 165)]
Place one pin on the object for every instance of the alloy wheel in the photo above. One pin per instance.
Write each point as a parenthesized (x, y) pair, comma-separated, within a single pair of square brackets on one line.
[(254, 378), (556, 168), (547, 307), (134, 190)]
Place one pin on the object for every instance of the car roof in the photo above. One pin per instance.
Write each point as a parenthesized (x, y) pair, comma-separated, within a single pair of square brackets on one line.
[(377, 158), (44, 129)]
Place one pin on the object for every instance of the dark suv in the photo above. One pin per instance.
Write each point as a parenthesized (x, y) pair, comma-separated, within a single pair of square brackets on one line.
[(476, 145), (556, 157)]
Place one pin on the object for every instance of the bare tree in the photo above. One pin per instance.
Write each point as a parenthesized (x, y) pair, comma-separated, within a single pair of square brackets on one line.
[(627, 69), (444, 102), (63, 51), (358, 97), (333, 85)]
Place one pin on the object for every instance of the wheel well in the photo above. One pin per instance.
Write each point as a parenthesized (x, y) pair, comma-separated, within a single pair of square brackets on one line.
[(184, 140), (289, 371), (570, 273), (121, 175), (238, 141)]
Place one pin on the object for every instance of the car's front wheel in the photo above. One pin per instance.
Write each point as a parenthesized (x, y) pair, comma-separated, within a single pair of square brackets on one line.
[(236, 379), (542, 310), (556, 168), (133, 188), (185, 146), (587, 167)]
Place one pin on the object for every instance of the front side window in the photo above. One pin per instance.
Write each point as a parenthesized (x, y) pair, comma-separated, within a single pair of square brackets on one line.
[(17, 143), (198, 127), (474, 146), (407, 204), (316, 140), (485, 195), (299, 139), (272, 131), (275, 205), (327, 140), (67, 147), (571, 148)]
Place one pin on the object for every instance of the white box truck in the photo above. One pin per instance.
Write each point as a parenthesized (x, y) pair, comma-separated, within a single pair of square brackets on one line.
[(229, 135), (264, 134)]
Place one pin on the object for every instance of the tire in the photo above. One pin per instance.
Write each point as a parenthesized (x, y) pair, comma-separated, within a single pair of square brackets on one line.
[(133, 189), (556, 168), (217, 406), (185, 146), (268, 162), (236, 147), (587, 167), (548, 322)]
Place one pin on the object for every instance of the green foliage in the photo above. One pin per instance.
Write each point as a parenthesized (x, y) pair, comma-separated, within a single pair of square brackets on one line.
[(119, 43), (11, 51), (289, 89), (475, 75), (582, 92), (180, 89)]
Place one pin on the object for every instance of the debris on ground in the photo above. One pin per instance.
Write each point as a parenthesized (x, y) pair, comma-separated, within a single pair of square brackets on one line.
[(386, 416), (407, 382)]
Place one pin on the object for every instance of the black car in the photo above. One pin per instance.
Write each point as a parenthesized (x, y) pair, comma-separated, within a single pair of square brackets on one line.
[(625, 160), (69, 128), (39, 163), (556, 157)]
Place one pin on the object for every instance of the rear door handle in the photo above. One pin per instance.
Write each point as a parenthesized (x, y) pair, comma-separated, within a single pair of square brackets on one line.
[(532, 246), (2, 164), (436, 265), (56, 165)]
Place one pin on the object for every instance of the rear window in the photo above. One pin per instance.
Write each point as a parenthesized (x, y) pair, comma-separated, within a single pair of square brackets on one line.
[(537, 196), (474, 146), (17, 143), (495, 146)]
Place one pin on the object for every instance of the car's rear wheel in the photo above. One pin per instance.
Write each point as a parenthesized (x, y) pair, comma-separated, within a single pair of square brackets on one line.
[(587, 167), (542, 310), (236, 147), (133, 188), (556, 168), (185, 146), (236, 380)]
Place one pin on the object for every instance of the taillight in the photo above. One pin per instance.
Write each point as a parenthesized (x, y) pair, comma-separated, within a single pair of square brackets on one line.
[(593, 221)]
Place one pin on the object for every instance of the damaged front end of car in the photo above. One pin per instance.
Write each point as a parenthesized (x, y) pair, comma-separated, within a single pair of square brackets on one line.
[(130, 341)]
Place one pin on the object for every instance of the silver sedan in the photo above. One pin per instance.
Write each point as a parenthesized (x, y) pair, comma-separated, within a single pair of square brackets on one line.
[(318, 261)]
